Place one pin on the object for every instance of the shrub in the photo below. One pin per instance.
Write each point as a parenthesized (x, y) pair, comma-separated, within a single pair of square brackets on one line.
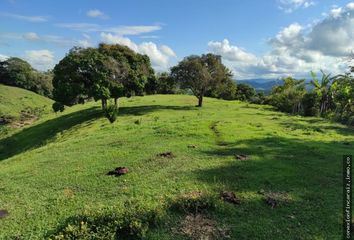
[(111, 113), (57, 106)]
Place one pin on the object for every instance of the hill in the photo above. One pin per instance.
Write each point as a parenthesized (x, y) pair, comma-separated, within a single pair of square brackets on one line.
[(53, 174), (20, 105)]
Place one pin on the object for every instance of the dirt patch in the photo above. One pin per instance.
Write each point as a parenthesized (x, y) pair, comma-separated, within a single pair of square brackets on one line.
[(118, 171), (166, 155), (3, 213), (192, 146), (199, 227), (274, 199), (242, 157), (230, 197)]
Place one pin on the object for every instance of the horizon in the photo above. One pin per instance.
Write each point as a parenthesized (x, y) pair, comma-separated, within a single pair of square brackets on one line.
[(257, 40)]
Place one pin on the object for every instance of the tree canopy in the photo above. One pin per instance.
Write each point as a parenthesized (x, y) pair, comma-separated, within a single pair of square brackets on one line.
[(201, 74), (19, 73), (109, 71)]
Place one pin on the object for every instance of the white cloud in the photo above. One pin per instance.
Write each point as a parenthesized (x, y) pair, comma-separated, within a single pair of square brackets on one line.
[(31, 36), (84, 43), (3, 57), (231, 53), (95, 13), (289, 6), (133, 30), (160, 56), (296, 50), (26, 18), (40, 59), (82, 27)]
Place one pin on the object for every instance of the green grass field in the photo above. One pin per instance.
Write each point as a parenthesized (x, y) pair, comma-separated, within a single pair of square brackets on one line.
[(56, 168), (13, 100)]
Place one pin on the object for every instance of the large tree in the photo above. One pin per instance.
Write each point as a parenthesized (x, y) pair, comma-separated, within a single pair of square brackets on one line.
[(84, 74), (201, 74), (137, 68)]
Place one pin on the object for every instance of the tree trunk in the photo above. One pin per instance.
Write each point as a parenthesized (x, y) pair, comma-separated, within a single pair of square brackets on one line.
[(104, 103), (200, 101)]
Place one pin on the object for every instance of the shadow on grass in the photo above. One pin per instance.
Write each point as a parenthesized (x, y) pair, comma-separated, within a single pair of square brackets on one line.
[(311, 171), (141, 110), (40, 134), (319, 125)]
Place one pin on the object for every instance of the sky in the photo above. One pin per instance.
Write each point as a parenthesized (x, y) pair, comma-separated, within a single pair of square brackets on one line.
[(255, 38)]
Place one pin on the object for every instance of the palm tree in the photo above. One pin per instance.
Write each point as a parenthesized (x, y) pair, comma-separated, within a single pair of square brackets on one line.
[(323, 89)]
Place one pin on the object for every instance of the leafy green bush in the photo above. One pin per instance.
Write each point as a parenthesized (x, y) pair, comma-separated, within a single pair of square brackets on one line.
[(111, 113), (57, 106)]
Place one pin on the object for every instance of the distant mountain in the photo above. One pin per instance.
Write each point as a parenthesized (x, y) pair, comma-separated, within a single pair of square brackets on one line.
[(266, 85), (261, 85)]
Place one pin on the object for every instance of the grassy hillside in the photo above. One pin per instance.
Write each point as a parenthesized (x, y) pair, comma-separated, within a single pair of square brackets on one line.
[(17, 103), (56, 169)]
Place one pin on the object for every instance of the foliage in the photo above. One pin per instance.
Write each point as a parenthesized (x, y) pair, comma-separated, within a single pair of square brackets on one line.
[(111, 113), (19, 73), (57, 106), (163, 83), (323, 90), (200, 74), (288, 97), (245, 92)]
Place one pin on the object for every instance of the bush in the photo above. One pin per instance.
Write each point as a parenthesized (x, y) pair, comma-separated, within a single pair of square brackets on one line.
[(57, 106), (111, 113)]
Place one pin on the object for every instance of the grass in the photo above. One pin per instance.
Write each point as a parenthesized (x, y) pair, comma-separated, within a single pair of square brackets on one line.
[(13, 100), (56, 168)]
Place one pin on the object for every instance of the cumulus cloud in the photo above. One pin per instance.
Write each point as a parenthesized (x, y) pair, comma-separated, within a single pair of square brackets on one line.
[(95, 13), (160, 56), (289, 6), (229, 52), (40, 59), (296, 50), (35, 19), (3, 57)]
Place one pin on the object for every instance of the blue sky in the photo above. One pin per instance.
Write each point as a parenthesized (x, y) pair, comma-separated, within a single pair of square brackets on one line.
[(256, 38)]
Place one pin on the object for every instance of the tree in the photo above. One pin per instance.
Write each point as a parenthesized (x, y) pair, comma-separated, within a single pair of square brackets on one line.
[(83, 74), (200, 74), (19, 73), (244, 92), (288, 97), (135, 68), (323, 90), (343, 96)]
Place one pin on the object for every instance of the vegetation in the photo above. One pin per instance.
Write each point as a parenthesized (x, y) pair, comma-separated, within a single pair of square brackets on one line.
[(330, 97), (19, 73), (53, 173), (201, 74)]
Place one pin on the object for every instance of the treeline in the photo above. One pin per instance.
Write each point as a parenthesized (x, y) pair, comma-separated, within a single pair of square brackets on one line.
[(330, 97), (19, 73), (115, 71)]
